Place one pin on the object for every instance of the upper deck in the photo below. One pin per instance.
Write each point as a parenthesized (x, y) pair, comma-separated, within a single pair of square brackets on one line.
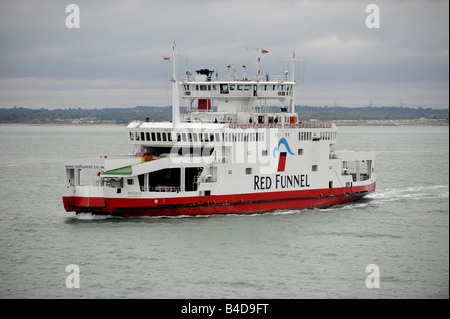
[(278, 90), (240, 95)]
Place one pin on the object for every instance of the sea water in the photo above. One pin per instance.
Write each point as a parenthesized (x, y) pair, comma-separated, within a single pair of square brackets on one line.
[(394, 243)]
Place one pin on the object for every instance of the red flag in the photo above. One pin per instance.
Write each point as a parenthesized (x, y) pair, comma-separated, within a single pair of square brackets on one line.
[(264, 51), (166, 58)]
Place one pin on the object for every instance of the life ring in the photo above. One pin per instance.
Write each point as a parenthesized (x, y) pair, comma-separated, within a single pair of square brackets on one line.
[(168, 189)]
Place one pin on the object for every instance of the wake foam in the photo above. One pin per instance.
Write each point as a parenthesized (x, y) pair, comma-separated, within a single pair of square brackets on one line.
[(414, 192)]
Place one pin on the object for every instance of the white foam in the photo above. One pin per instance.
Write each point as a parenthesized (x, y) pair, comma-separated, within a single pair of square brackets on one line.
[(413, 192), (90, 216)]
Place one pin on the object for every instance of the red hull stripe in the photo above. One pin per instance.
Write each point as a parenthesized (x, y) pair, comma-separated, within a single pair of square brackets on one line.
[(219, 204)]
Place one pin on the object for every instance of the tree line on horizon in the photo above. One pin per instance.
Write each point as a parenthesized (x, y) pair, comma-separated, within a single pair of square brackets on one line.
[(159, 114)]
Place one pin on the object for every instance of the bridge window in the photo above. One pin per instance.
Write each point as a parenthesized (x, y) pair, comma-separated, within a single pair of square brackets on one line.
[(224, 89)]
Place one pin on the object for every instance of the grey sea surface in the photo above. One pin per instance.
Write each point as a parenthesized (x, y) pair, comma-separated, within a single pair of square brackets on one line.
[(402, 229)]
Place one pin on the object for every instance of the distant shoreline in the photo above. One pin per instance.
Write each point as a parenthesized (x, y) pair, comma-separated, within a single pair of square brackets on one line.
[(122, 116), (338, 123), (58, 124)]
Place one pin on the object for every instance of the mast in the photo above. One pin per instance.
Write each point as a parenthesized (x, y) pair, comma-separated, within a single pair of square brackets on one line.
[(292, 106), (258, 61), (175, 98)]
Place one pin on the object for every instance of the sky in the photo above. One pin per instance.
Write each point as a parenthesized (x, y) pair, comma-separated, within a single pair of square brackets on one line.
[(115, 57)]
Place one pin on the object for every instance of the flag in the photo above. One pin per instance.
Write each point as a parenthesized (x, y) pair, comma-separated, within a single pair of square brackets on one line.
[(166, 58), (264, 51)]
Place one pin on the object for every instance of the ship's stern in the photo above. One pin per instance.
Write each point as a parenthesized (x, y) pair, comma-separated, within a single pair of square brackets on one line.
[(84, 199)]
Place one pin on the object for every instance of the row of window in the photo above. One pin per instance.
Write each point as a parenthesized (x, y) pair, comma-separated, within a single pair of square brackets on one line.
[(211, 137), (244, 137), (307, 136), (167, 136), (328, 135), (197, 137), (225, 88), (151, 136)]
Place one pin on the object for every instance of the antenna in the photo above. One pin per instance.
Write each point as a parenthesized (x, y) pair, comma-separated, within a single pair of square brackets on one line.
[(175, 100), (292, 104), (229, 67)]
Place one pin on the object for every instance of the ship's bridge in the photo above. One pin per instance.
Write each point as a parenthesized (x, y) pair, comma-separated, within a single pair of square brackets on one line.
[(279, 90), (238, 95)]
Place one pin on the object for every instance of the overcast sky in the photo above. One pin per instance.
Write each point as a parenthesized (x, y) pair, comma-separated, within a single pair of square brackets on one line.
[(115, 58)]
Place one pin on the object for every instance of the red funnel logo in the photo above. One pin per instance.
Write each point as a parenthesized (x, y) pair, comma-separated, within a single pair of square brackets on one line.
[(282, 162)]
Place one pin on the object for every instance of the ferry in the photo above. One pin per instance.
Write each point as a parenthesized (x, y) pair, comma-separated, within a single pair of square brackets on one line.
[(231, 153)]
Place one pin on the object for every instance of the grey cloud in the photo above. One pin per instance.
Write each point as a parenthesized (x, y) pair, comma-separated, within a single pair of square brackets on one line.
[(123, 42)]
